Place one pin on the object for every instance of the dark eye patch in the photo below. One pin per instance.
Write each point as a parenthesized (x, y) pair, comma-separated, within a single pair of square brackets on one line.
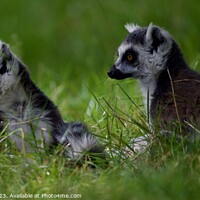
[(127, 54)]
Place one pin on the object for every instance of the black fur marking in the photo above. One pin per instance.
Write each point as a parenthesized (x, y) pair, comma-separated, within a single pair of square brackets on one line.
[(157, 38), (186, 84), (114, 73), (175, 59), (130, 52), (78, 129), (3, 69), (41, 101), (137, 37)]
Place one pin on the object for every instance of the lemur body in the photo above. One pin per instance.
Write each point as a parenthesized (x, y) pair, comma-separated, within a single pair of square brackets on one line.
[(31, 118), (170, 88)]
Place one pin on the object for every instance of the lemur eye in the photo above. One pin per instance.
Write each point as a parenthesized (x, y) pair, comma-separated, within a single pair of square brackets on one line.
[(129, 57)]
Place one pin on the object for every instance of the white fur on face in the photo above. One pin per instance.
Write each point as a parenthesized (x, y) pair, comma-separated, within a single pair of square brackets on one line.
[(123, 48), (149, 63)]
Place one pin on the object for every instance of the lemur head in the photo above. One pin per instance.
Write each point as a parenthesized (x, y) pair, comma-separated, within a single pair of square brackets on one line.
[(143, 54)]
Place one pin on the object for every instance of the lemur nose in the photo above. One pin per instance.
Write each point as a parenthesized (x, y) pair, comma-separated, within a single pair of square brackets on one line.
[(115, 73), (111, 72)]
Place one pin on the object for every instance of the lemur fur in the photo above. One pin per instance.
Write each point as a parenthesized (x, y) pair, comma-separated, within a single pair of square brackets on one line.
[(32, 119), (152, 56)]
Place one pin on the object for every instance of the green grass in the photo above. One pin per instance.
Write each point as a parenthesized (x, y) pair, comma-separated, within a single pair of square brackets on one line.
[(68, 47)]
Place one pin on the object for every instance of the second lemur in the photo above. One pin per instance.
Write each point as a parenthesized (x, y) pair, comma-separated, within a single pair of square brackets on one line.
[(31, 119), (170, 88)]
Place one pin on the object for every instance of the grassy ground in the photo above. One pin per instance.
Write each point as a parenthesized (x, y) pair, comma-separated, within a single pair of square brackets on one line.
[(68, 47)]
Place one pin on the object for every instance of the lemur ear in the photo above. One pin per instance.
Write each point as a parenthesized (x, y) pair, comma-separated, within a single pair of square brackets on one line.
[(154, 36), (130, 27)]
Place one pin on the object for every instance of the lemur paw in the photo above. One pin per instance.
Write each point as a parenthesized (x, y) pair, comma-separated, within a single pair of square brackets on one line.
[(9, 68)]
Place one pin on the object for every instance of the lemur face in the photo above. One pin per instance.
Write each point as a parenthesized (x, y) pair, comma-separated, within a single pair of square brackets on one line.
[(143, 54)]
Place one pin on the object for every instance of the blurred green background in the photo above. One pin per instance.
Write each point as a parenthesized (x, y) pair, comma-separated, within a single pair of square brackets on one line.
[(69, 45)]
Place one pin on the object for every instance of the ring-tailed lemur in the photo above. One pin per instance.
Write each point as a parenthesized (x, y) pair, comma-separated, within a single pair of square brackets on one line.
[(170, 89), (31, 118)]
